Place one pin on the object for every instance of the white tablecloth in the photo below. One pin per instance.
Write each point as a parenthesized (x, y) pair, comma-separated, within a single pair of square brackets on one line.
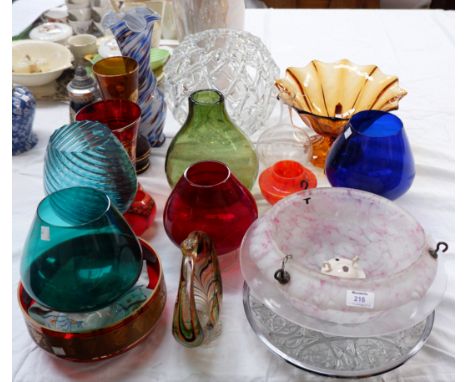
[(418, 46)]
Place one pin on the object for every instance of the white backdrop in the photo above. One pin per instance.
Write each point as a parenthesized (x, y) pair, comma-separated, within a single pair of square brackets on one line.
[(418, 46)]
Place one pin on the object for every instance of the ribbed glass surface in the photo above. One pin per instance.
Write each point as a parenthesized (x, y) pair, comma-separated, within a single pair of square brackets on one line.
[(88, 154)]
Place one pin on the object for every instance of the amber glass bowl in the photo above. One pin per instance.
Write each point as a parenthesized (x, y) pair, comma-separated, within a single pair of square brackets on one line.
[(106, 342), (326, 95)]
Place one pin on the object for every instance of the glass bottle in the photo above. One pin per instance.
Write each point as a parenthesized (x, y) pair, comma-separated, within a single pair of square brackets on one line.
[(209, 134)]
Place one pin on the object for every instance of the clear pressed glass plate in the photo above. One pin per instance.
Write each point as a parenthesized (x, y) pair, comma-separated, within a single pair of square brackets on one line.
[(334, 355)]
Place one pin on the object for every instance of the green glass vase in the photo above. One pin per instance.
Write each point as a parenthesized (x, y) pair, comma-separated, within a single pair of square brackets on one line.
[(209, 134)]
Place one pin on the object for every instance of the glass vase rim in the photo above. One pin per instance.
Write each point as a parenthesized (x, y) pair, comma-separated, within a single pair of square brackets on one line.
[(123, 321), (75, 226), (124, 58), (206, 186), (197, 102), (280, 162), (129, 103), (360, 114)]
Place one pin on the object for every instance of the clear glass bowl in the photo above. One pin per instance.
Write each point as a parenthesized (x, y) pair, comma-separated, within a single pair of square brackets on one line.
[(403, 281), (283, 142), (234, 62)]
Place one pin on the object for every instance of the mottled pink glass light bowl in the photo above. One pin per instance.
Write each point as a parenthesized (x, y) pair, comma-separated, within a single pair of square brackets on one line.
[(317, 225)]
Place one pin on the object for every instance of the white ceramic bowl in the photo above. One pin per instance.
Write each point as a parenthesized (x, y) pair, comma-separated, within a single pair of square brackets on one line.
[(53, 32), (48, 59)]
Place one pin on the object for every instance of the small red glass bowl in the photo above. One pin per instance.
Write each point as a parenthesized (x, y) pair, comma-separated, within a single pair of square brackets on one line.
[(107, 342), (284, 178), (142, 212), (121, 116)]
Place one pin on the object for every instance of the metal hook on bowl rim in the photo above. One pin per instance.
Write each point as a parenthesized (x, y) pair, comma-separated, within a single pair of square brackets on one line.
[(281, 275), (434, 252)]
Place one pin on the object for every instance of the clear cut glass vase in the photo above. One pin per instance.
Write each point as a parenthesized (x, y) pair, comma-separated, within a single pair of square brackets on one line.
[(209, 134)]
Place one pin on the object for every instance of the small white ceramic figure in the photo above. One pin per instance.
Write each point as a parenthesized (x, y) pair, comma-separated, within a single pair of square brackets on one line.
[(342, 267)]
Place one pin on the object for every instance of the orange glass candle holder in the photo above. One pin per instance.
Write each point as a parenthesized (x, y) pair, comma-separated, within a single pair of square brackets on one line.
[(285, 178), (117, 78)]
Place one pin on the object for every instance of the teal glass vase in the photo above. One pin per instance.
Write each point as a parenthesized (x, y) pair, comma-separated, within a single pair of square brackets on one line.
[(209, 134), (80, 254)]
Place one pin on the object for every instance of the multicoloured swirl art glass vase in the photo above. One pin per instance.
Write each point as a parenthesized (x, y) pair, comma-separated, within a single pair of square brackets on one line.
[(196, 312), (133, 30)]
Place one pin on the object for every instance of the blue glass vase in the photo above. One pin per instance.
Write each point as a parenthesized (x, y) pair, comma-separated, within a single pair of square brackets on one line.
[(88, 154), (80, 254), (132, 30), (372, 154)]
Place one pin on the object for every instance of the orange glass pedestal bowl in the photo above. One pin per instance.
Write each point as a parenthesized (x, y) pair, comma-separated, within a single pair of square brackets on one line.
[(106, 342), (327, 95)]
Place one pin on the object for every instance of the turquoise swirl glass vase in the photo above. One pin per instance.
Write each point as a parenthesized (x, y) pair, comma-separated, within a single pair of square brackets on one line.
[(80, 254), (87, 154), (133, 30)]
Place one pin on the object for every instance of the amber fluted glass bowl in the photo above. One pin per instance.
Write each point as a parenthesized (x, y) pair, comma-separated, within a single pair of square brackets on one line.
[(327, 95), (107, 341), (328, 225)]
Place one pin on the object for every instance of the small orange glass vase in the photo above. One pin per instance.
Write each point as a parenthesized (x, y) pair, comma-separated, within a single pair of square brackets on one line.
[(285, 178)]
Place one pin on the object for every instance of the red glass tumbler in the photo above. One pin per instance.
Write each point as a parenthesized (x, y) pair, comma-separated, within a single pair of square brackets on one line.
[(123, 118), (209, 198), (119, 115)]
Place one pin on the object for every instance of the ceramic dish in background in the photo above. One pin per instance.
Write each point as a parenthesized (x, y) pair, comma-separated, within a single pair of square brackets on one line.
[(107, 47), (37, 63), (56, 15), (158, 57), (54, 32)]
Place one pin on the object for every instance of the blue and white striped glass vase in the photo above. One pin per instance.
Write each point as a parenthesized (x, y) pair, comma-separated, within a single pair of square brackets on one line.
[(133, 30)]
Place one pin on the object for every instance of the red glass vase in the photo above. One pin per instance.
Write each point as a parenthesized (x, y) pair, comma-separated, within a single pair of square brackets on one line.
[(209, 198)]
